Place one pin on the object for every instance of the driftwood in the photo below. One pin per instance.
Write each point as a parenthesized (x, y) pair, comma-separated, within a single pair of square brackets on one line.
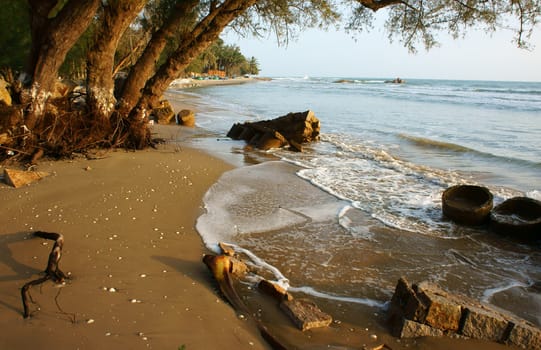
[(52, 271), (221, 267)]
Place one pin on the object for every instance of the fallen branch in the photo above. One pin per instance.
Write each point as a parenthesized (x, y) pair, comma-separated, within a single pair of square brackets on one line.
[(52, 271)]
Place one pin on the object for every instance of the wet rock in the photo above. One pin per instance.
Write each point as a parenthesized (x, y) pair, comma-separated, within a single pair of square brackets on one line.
[(412, 329), (305, 314), (291, 130), (186, 117), (274, 290), (405, 303)]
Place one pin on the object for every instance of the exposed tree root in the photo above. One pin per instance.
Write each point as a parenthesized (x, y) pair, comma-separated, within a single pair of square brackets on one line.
[(52, 271)]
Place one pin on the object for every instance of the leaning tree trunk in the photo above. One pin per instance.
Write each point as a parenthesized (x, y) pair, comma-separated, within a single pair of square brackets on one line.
[(39, 22), (195, 42), (58, 36), (116, 18), (145, 65)]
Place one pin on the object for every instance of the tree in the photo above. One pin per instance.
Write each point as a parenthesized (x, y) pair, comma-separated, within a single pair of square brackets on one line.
[(175, 32), (253, 66)]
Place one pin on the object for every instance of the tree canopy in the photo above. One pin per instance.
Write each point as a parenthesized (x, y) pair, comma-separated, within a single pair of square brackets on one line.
[(156, 41)]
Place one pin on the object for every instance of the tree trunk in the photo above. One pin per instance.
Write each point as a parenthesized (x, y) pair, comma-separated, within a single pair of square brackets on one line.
[(193, 43), (58, 38), (39, 22), (145, 65), (116, 17)]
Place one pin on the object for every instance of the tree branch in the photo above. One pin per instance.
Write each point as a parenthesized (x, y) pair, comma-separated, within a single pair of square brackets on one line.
[(379, 4)]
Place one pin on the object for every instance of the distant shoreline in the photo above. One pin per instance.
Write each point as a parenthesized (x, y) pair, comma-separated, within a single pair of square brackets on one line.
[(185, 83)]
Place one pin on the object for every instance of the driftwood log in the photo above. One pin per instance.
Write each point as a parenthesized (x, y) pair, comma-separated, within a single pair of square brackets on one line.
[(52, 271)]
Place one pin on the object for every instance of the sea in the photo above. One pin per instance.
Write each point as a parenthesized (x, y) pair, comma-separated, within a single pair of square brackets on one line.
[(355, 211)]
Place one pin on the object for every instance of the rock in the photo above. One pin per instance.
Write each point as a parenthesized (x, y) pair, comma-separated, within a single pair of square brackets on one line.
[(525, 335), (442, 312), (293, 129), (186, 117), (163, 114), (405, 303), (270, 140), (274, 290), (18, 178), (305, 314), (5, 96), (412, 329), (484, 324), (426, 304)]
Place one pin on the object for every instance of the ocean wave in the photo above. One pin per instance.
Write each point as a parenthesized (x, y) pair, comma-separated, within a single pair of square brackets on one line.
[(430, 143)]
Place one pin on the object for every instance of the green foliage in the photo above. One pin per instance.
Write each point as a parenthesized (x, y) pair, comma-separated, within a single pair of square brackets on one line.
[(15, 39), (74, 66), (417, 22), (224, 57)]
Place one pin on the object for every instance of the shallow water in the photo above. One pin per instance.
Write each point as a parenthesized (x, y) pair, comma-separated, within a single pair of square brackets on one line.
[(361, 208)]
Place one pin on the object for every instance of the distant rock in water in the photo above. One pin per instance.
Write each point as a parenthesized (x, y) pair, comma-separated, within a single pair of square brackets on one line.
[(291, 130), (395, 81), (343, 81)]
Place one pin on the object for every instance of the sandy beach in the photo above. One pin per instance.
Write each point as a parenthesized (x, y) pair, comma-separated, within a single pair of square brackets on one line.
[(133, 255)]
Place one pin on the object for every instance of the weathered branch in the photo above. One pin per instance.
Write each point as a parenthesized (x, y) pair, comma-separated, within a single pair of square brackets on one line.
[(52, 271), (375, 5)]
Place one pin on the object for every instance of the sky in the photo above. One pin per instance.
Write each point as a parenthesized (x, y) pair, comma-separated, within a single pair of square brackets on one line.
[(334, 53)]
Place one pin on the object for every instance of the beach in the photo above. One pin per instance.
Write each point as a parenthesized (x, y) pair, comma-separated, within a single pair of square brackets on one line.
[(134, 255), (134, 261)]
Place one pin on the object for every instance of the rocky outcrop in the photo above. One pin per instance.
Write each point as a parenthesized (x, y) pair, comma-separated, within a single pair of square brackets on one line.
[(186, 117), (425, 309), (291, 130)]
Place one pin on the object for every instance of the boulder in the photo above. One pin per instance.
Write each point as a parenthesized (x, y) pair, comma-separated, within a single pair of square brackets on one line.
[(291, 130), (163, 114), (186, 117)]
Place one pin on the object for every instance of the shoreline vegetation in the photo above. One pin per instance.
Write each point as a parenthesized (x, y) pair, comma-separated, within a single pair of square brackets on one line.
[(134, 259)]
